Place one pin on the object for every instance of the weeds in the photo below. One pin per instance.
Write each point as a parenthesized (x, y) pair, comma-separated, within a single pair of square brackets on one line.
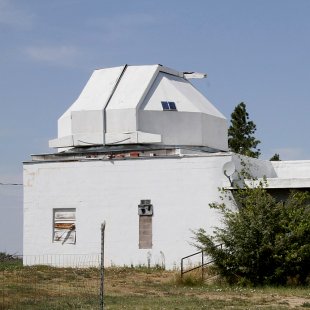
[(44, 287), (8, 261)]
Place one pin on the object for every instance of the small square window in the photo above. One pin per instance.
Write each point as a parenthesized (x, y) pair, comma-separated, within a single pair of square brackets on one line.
[(165, 105), (172, 105), (169, 106)]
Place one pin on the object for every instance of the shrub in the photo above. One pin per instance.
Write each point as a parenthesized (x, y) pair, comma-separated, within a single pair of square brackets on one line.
[(264, 241)]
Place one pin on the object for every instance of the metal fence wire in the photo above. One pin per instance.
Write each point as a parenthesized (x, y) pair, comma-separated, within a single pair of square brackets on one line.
[(50, 282)]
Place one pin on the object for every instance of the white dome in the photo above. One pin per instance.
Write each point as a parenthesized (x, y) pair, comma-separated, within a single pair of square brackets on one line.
[(141, 105)]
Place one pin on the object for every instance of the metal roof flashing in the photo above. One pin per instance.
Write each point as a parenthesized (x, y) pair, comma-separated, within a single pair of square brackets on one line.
[(121, 152)]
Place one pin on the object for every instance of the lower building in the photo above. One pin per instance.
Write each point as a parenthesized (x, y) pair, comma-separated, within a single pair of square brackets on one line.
[(151, 201)]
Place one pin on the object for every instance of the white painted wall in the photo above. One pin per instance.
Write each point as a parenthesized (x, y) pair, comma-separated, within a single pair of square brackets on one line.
[(279, 174), (292, 168), (94, 97), (180, 190)]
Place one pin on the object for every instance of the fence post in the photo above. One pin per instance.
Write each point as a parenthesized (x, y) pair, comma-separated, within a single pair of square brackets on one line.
[(182, 268), (202, 263), (102, 268)]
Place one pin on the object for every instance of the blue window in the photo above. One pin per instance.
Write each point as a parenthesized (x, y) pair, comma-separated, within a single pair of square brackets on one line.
[(172, 105), (168, 106), (165, 105)]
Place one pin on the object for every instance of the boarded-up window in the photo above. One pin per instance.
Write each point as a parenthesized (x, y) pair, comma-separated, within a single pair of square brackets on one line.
[(64, 226)]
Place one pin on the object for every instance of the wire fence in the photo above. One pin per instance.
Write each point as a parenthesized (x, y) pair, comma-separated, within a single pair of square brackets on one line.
[(50, 282), (62, 260)]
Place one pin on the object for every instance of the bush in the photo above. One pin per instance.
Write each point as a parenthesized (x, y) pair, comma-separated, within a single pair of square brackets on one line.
[(264, 241), (9, 261)]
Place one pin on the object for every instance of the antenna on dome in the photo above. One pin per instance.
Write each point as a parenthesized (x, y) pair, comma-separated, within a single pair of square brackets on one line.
[(229, 169)]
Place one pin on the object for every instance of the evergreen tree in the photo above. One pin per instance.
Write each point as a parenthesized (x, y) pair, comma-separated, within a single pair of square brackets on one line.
[(241, 131), (275, 157)]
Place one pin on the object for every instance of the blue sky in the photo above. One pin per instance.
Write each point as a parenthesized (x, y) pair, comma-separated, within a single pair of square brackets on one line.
[(253, 51)]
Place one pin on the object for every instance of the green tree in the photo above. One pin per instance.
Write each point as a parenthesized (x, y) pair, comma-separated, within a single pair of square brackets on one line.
[(264, 241), (275, 157), (241, 138)]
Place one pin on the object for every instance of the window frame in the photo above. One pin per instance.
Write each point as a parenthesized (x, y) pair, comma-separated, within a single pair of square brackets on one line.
[(169, 106), (64, 225)]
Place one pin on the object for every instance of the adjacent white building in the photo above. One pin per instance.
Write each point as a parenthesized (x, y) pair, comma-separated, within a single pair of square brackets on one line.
[(142, 149)]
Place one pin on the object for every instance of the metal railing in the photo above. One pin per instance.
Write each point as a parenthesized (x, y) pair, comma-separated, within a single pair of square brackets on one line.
[(202, 265)]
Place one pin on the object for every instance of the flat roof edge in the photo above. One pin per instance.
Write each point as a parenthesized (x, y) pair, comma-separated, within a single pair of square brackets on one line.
[(48, 158)]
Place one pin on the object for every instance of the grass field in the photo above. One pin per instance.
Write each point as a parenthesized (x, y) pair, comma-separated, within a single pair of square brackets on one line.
[(134, 288)]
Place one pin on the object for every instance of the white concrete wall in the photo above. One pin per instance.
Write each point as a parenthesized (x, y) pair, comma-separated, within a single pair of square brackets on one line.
[(292, 168), (175, 128), (180, 190)]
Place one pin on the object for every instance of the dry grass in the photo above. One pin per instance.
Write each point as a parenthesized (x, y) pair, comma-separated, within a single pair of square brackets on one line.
[(134, 288)]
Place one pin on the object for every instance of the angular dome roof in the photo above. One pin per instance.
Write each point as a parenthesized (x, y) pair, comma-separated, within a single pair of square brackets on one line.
[(141, 105)]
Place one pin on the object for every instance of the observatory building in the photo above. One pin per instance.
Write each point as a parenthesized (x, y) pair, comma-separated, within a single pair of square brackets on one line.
[(143, 150)]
